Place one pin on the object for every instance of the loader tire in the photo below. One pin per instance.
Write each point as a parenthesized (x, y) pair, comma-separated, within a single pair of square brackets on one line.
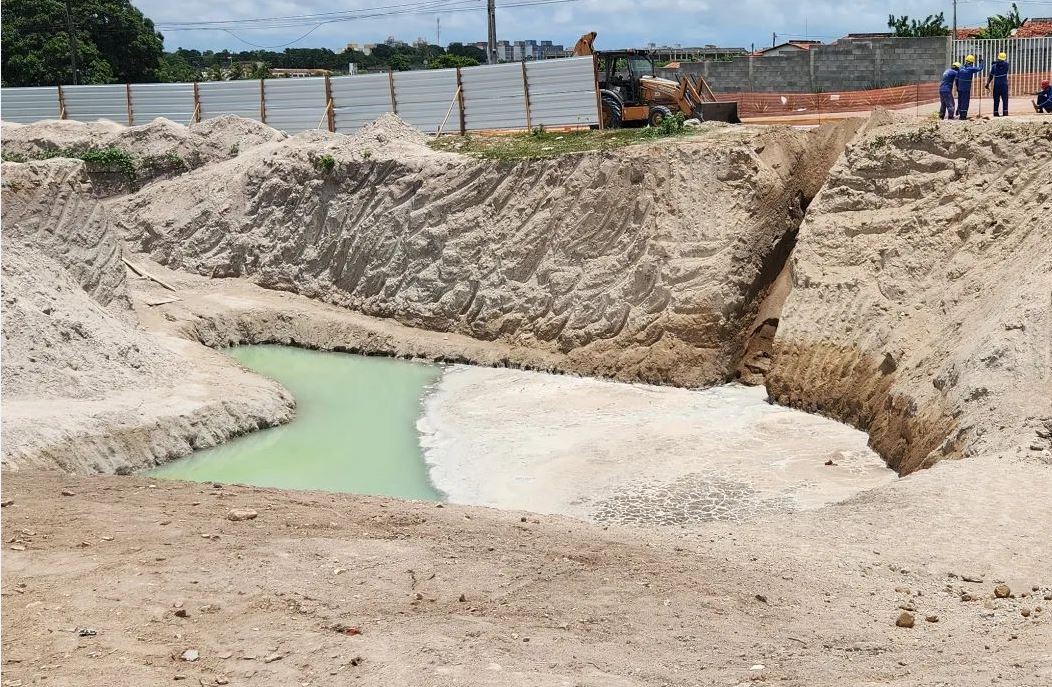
[(658, 114), (613, 115)]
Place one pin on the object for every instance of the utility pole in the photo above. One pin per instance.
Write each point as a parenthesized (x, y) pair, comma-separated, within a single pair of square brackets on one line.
[(954, 19), (438, 31), (774, 39), (491, 21), (72, 42)]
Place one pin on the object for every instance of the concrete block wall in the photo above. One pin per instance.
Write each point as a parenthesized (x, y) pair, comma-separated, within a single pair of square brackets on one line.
[(846, 65)]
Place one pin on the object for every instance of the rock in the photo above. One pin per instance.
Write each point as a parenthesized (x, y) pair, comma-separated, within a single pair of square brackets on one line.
[(209, 608), (67, 492), (190, 655), (907, 606), (272, 657), (1025, 612), (931, 618), (965, 596), (830, 462), (522, 519), (905, 619), (239, 514), (5, 504), (693, 123), (462, 598), (419, 596), (226, 654), (180, 613), (1047, 597), (18, 547), (972, 578), (761, 598), (1002, 591)]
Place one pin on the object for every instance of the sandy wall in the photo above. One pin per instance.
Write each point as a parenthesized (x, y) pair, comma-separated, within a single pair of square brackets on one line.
[(921, 281)]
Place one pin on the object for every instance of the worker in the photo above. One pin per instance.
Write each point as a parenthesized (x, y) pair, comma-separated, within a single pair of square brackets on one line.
[(949, 78), (964, 84), (999, 76), (1044, 98)]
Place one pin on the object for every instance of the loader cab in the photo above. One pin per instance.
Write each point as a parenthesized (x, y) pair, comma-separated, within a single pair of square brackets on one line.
[(621, 71)]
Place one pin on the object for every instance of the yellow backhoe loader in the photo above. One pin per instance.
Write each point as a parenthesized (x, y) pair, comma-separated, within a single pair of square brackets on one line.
[(631, 94)]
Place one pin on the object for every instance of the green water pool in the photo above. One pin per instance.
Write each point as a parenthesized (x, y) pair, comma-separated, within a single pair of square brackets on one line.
[(354, 431)]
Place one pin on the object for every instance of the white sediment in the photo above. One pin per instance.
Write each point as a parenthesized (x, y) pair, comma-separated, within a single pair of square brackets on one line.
[(585, 447)]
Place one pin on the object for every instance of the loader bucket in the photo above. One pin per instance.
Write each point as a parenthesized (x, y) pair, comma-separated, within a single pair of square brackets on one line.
[(721, 112)]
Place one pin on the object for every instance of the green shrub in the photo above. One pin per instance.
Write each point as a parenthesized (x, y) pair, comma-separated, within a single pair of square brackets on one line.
[(326, 163)]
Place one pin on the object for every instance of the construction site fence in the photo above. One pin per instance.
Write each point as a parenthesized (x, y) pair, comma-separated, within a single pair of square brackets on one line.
[(774, 104), (550, 93), (1030, 60)]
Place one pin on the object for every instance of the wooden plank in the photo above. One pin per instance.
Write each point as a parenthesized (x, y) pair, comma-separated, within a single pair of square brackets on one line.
[(262, 102), (61, 103), (147, 275), (390, 81)]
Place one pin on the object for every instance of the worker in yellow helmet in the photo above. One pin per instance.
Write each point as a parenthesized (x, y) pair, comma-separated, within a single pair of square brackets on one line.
[(946, 104), (964, 84), (999, 76)]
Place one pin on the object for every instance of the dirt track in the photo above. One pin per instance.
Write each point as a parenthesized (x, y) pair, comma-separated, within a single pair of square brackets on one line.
[(547, 601)]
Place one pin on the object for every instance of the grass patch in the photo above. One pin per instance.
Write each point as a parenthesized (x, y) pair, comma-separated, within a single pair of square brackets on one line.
[(541, 143)]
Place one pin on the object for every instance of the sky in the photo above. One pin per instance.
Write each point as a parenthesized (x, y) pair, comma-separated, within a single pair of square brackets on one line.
[(619, 23)]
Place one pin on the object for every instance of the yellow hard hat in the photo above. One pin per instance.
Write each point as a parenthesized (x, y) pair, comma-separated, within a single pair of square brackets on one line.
[(1002, 56), (956, 65), (970, 59)]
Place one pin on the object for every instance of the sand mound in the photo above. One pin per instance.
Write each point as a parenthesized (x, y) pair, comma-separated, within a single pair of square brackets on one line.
[(921, 278), (67, 321), (643, 263), (158, 149)]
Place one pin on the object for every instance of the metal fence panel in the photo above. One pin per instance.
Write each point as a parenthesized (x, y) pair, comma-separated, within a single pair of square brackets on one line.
[(174, 101), (295, 105), (239, 98), (25, 105), (562, 92), (1030, 60), (425, 97), (88, 103), (494, 97), (359, 100)]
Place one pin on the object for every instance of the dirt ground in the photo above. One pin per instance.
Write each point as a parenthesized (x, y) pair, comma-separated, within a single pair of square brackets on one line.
[(807, 600)]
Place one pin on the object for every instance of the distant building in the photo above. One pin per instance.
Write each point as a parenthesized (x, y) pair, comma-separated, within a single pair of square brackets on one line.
[(298, 73), (788, 48), (529, 49), (364, 48), (868, 36)]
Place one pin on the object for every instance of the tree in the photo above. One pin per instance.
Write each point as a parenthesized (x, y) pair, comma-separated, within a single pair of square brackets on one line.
[(400, 63), (114, 41), (446, 61), (262, 71), (236, 72), (474, 52), (176, 68), (1002, 25), (932, 25), (215, 72)]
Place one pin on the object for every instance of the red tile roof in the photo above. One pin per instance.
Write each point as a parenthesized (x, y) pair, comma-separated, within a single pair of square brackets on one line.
[(1035, 28), (966, 33)]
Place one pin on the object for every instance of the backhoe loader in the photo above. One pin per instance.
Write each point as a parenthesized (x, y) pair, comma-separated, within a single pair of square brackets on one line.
[(631, 94)]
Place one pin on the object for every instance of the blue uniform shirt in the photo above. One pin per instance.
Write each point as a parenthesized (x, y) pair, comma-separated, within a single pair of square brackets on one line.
[(948, 78), (964, 76), (999, 73), (1044, 97)]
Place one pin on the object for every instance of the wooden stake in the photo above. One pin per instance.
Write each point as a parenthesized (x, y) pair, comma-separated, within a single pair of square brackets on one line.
[(61, 103), (526, 93), (460, 91), (262, 103), (328, 104), (394, 101), (456, 96), (128, 99), (197, 103)]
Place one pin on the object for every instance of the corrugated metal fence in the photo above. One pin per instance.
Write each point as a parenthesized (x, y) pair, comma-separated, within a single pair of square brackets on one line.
[(1030, 60), (552, 93)]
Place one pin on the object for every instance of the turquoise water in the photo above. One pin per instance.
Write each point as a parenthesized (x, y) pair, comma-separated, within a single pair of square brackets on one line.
[(354, 431)]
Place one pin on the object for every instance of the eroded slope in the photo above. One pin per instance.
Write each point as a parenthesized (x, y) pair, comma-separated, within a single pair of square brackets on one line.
[(641, 263), (920, 307)]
